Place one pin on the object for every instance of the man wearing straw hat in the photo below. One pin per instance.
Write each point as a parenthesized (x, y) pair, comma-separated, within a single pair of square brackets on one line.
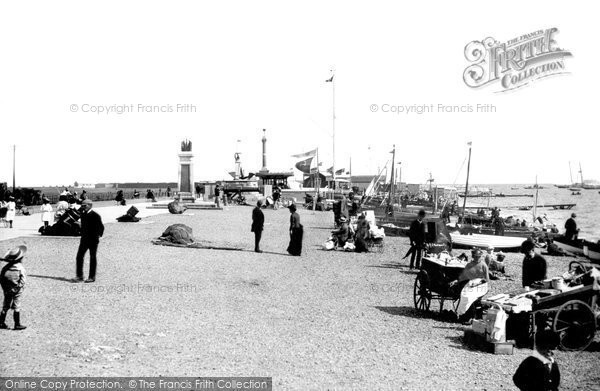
[(91, 231), (12, 279)]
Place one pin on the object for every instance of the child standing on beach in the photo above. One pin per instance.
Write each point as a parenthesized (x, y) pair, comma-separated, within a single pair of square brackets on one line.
[(12, 280), (46, 210)]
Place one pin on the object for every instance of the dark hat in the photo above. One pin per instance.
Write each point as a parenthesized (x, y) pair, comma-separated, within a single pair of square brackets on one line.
[(15, 254), (476, 251), (546, 340), (422, 212), (527, 246), (573, 215), (500, 255), (292, 207)]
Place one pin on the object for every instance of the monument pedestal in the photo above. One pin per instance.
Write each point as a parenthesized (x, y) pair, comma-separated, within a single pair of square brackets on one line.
[(186, 174), (186, 197)]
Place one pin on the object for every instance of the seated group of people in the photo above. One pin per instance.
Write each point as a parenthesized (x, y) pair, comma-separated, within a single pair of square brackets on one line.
[(346, 232)]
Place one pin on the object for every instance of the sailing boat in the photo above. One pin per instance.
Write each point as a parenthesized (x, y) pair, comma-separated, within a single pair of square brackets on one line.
[(394, 222), (570, 177), (588, 184), (470, 235), (575, 186)]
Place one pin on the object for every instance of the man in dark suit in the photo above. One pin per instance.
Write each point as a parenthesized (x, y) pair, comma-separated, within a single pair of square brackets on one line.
[(91, 231), (416, 234), (571, 228), (258, 222)]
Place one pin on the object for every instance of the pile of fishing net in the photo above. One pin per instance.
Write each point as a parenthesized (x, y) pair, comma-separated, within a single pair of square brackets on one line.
[(180, 235), (176, 208)]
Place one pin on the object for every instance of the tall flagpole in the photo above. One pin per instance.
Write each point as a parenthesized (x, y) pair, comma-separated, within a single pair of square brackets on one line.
[(333, 125)]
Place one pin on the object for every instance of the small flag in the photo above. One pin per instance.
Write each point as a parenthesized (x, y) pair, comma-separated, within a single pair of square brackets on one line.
[(306, 154), (341, 171), (469, 143), (330, 79)]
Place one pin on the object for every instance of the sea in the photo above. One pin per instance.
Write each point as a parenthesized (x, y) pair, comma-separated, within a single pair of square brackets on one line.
[(587, 206)]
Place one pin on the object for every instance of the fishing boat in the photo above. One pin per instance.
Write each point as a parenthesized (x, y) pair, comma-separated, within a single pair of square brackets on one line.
[(580, 247)]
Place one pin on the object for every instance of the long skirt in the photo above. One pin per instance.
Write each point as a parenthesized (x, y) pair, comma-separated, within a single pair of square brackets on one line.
[(295, 246)]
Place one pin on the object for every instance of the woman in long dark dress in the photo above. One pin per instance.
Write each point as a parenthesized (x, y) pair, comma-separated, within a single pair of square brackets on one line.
[(296, 232), (362, 234)]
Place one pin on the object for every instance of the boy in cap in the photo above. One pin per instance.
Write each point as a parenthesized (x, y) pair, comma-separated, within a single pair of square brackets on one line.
[(12, 279), (534, 265)]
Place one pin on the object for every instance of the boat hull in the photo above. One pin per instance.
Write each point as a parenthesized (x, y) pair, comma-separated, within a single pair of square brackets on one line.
[(482, 241), (582, 247)]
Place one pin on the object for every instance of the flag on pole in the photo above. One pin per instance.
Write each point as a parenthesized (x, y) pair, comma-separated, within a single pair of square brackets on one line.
[(304, 165), (330, 80), (341, 171), (469, 143), (308, 154)]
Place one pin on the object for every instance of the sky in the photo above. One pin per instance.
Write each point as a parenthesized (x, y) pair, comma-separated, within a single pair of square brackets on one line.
[(248, 66)]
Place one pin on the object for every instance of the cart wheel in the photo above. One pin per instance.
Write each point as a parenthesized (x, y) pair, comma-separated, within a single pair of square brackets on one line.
[(576, 267), (575, 324), (422, 294)]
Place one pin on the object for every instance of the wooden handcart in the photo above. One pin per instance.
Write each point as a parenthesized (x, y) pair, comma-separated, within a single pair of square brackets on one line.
[(573, 313)]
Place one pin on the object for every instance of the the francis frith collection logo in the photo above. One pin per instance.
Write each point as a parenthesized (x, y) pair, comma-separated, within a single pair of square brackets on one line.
[(516, 62)]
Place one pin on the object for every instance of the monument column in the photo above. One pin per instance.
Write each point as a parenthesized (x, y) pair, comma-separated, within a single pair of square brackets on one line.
[(186, 169)]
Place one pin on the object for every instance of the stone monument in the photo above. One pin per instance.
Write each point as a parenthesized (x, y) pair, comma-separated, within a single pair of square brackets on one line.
[(186, 171)]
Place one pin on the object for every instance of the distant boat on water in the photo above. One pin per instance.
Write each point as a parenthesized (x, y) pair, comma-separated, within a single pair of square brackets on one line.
[(590, 185), (536, 186)]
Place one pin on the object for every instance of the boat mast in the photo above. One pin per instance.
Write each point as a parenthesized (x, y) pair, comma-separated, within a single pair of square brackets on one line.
[(580, 174), (537, 189), (571, 173), (391, 196), (467, 184)]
